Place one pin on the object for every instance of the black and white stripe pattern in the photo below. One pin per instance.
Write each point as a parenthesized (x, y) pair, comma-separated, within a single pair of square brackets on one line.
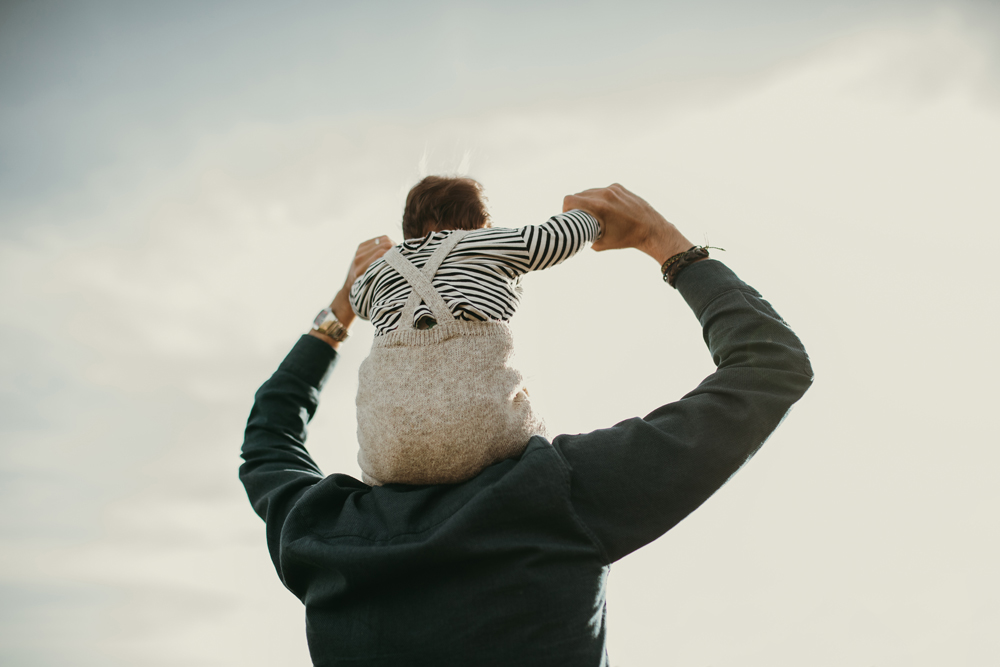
[(480, 278)]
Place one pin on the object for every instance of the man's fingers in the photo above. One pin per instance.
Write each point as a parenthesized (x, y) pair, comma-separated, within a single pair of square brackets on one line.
[(378, 246), (598, 246), (377, 241), (374, 248), (579, 200), (586, 201), (383, 244), (570, 202), (367, 253), (595, 200), (590, 192)]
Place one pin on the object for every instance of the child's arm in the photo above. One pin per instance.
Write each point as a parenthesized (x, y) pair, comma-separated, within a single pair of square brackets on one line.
[(361, 301), (559, 238), (369, 254)]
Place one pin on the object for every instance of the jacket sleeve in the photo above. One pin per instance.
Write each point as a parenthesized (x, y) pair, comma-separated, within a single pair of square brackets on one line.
[(633, 482), (277, 468)]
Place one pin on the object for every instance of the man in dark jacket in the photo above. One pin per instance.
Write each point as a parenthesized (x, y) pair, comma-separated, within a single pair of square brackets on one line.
[(509, 568)]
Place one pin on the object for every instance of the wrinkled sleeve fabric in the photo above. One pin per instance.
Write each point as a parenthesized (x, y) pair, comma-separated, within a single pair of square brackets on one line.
[(361, 291), (558, 238), (277, 469), (633, 482)]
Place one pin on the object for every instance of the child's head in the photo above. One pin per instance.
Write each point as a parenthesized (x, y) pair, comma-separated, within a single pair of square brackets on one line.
[(438, 203)]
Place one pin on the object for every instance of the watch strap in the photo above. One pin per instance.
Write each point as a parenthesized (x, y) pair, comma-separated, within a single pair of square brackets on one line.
[(327, 324)]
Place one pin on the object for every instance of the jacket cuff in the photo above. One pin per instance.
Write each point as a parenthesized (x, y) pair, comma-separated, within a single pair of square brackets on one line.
[(703, 281), (311, 360)]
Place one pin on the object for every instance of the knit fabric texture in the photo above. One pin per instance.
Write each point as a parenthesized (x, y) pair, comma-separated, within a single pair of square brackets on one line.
[(438, 405)]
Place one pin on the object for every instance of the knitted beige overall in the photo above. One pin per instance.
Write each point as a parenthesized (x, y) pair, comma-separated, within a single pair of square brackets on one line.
[(439, 405)]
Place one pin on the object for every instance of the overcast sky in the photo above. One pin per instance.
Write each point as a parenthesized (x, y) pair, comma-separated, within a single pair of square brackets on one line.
[(183, 184)]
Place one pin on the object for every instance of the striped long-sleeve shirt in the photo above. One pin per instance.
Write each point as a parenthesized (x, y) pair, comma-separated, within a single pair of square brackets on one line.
[(480, 279)]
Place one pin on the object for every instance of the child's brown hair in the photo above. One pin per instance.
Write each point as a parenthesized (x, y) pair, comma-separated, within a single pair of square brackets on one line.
[(438, 203)]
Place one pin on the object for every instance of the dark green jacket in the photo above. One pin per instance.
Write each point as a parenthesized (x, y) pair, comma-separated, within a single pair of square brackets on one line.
[(510, 567)]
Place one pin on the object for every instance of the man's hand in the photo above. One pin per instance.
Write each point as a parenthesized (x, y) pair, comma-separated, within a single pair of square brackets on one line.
[(367, 253), (628, 222)]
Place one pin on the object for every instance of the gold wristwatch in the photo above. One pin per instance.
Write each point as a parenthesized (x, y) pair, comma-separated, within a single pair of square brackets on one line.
[(327, 323)]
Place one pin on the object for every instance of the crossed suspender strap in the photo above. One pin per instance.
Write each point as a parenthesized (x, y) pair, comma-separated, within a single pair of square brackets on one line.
[(420, 280)]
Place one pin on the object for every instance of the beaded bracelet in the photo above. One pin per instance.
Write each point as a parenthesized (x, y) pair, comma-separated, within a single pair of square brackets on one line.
[(673, 266)]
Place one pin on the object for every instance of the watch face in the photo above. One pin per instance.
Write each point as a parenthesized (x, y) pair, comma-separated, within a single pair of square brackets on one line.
[(321, 317)]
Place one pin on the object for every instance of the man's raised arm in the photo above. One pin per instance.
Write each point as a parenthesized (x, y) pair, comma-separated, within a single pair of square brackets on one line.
[(277, 468), (633, 482)]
